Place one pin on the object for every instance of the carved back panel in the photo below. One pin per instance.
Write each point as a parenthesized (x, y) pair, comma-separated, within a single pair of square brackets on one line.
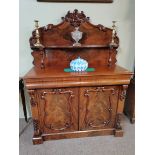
[(58, 43), (62, 57), (60, 35)]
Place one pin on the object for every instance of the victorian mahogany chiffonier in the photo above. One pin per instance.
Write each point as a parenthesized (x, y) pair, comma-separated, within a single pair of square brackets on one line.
[(75, 104)]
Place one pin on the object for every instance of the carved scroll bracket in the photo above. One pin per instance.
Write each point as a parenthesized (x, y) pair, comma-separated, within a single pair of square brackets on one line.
[(57, 91), (123, 92), (32, 98), (42, 59), (48, 27), (110, 59), (36, 127), (99, 89), (111, 50), (118, 122), (101, 27)]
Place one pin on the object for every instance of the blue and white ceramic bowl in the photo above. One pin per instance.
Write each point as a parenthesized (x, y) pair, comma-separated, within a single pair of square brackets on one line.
[(79, 65)]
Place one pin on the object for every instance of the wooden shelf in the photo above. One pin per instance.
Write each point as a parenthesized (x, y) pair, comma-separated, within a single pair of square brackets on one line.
[(75, 47)]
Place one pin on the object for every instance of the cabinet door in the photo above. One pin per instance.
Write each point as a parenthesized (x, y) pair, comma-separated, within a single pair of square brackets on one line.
[(58, 110), (98, 107)]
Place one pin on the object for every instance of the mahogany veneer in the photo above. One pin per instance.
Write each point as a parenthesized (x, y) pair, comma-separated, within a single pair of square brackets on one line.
[(75, 104)]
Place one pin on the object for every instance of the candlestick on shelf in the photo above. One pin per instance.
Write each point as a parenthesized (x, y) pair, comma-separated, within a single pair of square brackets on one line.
[(37, 44), (113, 34)]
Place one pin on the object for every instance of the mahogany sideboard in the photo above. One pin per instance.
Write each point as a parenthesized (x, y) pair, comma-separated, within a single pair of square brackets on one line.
[(75, 104)]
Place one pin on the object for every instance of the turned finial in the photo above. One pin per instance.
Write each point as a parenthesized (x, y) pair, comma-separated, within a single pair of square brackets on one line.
[(37, 35), (36, 24), (113, 34)]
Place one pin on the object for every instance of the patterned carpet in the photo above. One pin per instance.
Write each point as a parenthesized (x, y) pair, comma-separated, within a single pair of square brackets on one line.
[(100, 145)]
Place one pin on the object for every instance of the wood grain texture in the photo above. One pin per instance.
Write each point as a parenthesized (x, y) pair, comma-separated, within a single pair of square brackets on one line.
[(59, 109), (75, 104), (98, 107)]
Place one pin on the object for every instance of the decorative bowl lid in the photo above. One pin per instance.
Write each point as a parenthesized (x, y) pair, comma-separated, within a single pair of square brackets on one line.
[(79, 64)]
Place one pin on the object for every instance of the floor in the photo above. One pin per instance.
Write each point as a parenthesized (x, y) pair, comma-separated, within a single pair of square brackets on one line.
[(100, 145)]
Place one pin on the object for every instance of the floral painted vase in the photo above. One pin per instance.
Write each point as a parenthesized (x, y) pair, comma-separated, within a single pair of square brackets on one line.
[(79, 65)]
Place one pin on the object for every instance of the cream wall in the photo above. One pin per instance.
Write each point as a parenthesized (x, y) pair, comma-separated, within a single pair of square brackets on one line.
[(120, 10)]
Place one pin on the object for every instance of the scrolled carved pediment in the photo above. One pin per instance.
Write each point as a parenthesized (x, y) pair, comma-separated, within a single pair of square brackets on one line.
[(60, 35), (75, 18)]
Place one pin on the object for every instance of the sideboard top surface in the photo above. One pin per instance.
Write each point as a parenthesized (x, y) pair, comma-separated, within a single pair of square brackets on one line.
[(59, 72)]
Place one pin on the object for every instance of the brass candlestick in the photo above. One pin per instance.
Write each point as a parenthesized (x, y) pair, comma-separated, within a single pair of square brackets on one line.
[(113, 34), (37, 44)]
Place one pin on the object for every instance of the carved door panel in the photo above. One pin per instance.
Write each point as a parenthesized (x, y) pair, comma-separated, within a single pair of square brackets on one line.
[(98, 107), (59, 110)]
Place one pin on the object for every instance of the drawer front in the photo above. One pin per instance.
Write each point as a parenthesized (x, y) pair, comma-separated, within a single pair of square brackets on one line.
[(98, 107), (58, 110)]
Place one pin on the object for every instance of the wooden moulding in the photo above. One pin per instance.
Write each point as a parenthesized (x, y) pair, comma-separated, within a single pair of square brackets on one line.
[(76, 83), (77, 134), (73, 47)]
